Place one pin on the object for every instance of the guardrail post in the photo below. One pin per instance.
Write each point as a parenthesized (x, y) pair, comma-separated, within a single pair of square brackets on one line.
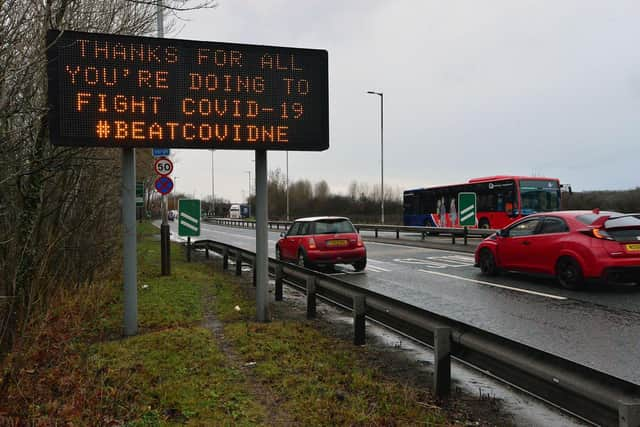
[(189, 249), (311, 297), (225, 258), (397, 233), (376, 230), (629, 414), (359, 309), (466, 233), (442, 361), (279, 276), (238, 262), (206, 252), (453, 237), (255, 276)]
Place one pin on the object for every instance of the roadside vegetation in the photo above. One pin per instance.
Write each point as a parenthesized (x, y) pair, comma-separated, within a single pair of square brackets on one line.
[(199, 358)]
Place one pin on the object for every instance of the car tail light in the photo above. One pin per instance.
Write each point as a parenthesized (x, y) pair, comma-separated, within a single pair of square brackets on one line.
[(312, 243), (598, 233), (359, 242)]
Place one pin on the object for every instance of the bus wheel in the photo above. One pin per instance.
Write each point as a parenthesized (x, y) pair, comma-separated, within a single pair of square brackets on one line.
[(487, 263), (483, 223), (569, 273)]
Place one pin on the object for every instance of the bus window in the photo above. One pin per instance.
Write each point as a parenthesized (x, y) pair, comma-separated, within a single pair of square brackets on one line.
[(539, 196)]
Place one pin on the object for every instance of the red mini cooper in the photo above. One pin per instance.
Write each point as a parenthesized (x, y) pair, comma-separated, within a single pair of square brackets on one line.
[(573, 246), (326, 240)]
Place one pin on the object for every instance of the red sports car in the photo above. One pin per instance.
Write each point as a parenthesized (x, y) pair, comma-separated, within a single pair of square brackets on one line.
[(573, 246), (325, 240)]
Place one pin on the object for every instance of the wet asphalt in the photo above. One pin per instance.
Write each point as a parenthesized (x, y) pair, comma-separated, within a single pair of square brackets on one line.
[(598, 327)]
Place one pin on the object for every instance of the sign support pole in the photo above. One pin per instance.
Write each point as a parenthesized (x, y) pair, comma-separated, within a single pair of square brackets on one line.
[(262, 238), (165, 249), (129, 241)]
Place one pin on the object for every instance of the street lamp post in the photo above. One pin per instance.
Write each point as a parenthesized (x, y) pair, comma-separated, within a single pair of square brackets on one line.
[(249, 172), (381, 153)]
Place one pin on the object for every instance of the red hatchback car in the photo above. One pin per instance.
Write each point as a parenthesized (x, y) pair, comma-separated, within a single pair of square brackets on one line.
[(573, 246), (325, 240)]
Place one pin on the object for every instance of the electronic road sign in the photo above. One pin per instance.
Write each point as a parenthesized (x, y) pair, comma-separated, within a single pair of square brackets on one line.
[(126, 91)]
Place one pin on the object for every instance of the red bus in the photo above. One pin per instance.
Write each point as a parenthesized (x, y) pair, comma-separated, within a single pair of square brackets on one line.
[(500, 200)]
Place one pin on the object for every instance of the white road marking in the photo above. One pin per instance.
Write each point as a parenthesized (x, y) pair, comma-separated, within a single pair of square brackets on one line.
[(481, 282), (439, 261), (377, 269)]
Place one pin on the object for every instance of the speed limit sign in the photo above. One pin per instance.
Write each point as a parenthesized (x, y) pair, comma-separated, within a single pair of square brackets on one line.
[(163, 166)]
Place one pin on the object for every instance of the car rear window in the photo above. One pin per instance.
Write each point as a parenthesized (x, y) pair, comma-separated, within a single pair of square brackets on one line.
[(624, 229), (333, 226), (623, 221)]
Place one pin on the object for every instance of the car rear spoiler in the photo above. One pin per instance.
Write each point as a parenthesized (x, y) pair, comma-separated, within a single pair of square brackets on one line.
[(599, 223)]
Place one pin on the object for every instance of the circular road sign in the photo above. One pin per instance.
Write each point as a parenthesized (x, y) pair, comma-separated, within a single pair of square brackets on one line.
[(163, 166), (164, 185)]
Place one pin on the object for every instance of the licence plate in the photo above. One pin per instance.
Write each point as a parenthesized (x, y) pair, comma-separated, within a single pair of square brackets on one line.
[(337, 243), (633, 247)]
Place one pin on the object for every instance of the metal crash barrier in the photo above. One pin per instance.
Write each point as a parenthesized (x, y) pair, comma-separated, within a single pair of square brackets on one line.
[(463, 233), (590, 394)]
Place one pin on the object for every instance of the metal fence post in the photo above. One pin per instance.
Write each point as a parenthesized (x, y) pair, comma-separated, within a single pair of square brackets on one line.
[(311, 297), (359, 309), (442, 361), (629, 414), (255, 274), (279, 282), (225, 258), (238, 262)]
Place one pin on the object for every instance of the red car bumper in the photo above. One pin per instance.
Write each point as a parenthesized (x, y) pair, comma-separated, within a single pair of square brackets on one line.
[(342, 256)]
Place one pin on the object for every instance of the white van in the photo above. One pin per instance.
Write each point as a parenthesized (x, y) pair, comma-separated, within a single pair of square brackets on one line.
[(234, 211)]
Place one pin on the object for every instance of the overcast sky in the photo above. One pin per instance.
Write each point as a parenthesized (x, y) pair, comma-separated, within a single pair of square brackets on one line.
[(471, 88)]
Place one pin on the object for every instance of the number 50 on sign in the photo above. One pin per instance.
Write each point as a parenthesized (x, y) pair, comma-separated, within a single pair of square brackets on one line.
[(163, 166)]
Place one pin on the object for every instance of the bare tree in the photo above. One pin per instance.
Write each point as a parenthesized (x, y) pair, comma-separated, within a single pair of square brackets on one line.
[(59, 207)]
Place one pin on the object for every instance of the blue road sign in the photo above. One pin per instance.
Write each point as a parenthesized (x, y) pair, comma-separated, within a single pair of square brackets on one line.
[(161, 152), (164, 185)]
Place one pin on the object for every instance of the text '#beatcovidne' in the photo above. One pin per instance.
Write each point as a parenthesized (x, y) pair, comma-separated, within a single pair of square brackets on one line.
[(121, 91)]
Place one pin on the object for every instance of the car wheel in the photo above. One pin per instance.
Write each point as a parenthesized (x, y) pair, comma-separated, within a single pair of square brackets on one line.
[(302, 259), (487, 263), (360, 265), (484, 223), (569, 273)]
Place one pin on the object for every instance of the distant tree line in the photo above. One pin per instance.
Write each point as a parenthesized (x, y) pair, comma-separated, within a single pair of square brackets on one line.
[(361, 203), (620, 201)]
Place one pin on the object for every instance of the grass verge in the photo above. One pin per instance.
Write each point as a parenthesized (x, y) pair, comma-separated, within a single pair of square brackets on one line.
[(199, 359)]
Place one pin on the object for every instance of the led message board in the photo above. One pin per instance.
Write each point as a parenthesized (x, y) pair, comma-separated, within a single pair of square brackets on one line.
[(122, 91)]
